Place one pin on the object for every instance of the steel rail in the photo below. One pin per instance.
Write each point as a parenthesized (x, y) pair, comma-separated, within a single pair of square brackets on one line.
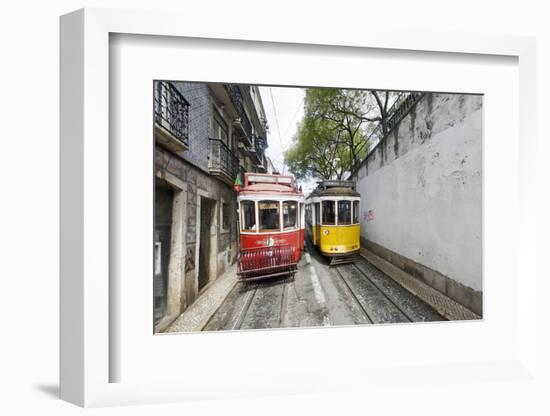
[(386, 295)]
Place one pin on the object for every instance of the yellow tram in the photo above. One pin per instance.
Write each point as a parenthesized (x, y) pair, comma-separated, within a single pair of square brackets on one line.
[(332, 219)]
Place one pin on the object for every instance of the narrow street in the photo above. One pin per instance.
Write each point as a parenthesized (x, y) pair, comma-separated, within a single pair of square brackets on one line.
[(319, 295)]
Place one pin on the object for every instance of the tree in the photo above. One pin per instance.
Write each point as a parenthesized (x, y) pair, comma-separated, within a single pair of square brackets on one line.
[(317, 151), (333, 135)]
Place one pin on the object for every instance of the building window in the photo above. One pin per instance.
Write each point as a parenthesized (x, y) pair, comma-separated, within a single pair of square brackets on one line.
[(344, 212), (329, 214), (356, 212), (220, 128), (290, 214), (248, 216), (269, 216), (225, 216)]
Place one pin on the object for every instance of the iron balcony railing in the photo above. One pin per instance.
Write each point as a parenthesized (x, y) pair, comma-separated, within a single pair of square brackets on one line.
[(172, 110), (222, 160), (258, 149), (259, 144), (238, 101)]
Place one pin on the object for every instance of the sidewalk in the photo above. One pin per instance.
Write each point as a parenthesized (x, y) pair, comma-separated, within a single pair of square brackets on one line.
[(195, 318), (445, 306)]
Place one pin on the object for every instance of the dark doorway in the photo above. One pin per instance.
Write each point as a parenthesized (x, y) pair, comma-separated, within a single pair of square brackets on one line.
[(164, 198), (206, 220)]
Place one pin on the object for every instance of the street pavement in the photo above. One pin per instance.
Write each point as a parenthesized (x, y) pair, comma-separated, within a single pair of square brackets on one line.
[(318, 295)]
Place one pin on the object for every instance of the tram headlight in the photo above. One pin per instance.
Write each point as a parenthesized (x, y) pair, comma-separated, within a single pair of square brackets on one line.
[(326, 232)]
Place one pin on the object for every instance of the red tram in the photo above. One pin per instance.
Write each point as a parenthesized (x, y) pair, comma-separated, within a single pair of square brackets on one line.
[(271, 226)]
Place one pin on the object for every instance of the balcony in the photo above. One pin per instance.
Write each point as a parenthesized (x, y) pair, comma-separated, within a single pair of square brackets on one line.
[(171, 117), (257, 151), (242, 123), (262, 166), (222, 162)]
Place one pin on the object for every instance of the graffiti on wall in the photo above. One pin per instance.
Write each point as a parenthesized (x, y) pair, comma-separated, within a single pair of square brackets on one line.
[(368, 215)]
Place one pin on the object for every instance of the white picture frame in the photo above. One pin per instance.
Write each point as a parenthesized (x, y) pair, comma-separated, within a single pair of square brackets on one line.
[(86, 262)]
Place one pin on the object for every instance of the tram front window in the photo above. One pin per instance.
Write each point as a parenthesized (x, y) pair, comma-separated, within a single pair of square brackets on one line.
[(290, 210), (249, 219), (344, 212), (269, 216), (329, 214), (356, 212)]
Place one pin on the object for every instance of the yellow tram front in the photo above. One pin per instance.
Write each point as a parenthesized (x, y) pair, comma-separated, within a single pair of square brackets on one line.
[(332, 218)]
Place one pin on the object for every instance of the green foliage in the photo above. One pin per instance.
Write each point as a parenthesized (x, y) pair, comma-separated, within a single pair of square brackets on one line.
[(334, 133), (331, 136)]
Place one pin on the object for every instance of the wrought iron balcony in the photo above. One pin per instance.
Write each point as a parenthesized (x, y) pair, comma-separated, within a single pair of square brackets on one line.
[(260, 144), (222, 162), (238, 101), (171, 116), (257, 151)]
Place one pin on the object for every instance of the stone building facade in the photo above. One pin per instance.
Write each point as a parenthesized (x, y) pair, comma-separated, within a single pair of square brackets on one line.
[(205, 136)]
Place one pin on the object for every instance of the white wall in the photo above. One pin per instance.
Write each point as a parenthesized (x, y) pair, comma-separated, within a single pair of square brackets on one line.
[(425, 203)]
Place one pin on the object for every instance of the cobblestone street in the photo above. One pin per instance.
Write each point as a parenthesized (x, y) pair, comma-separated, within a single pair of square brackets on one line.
[(319, 295)]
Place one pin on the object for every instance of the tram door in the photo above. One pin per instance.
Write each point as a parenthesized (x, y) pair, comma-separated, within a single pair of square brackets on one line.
[(317, 226)]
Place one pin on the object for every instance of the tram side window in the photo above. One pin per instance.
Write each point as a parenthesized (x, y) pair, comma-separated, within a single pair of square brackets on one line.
[(356, 212), (344, 212), (329, 214), (269, 216), (290, 214), (249, 219), (317, 215)]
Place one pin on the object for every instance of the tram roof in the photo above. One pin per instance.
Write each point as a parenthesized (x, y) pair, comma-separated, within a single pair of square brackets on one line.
[(269, 183), (335, 188), (334, 192)]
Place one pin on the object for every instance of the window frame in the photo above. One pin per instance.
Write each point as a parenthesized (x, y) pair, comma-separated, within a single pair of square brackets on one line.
[(353, 205), (296, 225), (335, 212), (279, 216), (350, 211), (218, 119), (242, 216)]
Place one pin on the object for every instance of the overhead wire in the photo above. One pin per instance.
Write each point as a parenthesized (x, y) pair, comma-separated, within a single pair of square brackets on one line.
[(277, 122)]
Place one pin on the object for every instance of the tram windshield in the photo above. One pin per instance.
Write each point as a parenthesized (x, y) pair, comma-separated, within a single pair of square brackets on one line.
[(344, 212), (269, 216), (249, 218), (290, 211), (329, 213), (356, 212)]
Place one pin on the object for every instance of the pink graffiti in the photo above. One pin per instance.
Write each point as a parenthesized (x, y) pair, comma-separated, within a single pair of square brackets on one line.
[(369, 215)]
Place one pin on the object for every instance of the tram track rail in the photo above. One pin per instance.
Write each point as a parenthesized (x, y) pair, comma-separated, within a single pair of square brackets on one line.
[(374, 284), (242, 313), (387, 295), (352, 293)]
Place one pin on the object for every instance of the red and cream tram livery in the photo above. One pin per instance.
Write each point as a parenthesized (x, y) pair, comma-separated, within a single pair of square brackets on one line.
[(271, 226)]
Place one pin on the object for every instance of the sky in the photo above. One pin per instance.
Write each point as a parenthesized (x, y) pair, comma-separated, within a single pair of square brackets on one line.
[(284, 108)]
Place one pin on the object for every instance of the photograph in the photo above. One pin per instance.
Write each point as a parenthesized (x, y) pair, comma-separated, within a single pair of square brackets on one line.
[(303, 207)]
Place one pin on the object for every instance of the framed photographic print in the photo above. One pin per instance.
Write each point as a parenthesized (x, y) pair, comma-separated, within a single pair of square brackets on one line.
[(283, 213)]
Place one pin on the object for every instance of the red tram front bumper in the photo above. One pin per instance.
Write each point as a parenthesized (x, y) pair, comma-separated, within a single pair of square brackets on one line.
[(264, 262)]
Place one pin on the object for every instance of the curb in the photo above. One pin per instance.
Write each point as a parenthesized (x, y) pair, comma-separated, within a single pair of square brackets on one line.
[(445, 306)]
